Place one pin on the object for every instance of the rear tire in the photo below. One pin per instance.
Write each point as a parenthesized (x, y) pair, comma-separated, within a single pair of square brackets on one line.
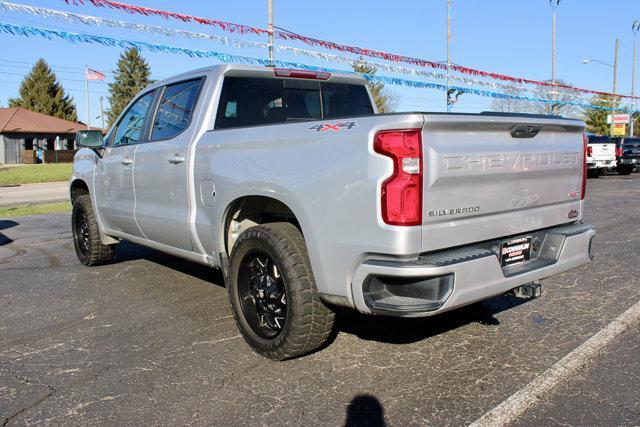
[(273, 293), (86, 234), (625, 170), (594, 173)]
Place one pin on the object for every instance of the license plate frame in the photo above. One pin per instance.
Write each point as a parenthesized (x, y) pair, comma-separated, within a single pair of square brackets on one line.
[(515, 251)]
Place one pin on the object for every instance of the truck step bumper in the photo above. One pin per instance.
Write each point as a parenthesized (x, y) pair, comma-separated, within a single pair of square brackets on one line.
[(439, 282)]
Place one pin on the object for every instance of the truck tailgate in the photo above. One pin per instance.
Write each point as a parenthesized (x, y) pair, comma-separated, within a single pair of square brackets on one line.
[(480, 182), (602, 151)]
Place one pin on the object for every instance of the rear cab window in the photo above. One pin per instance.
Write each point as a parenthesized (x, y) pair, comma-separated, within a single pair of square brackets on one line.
[(599, 139), (254, 101)]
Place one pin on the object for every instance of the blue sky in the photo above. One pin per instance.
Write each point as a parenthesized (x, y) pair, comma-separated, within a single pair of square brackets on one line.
[(505, 36)]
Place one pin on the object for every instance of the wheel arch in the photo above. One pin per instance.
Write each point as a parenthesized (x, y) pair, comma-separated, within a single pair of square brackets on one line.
[(250, 210), (76, 188)]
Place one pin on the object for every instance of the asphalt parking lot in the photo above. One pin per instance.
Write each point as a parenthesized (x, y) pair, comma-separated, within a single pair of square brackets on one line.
[(150, 339)]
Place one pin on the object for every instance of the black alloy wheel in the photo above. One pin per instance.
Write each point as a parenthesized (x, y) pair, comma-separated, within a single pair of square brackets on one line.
[(262, 293), (81, 232)]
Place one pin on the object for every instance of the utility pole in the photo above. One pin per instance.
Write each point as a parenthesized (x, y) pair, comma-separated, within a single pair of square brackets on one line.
[(615, 83), (86, 89), (270, 6), (102, 112), (554, 6), (449, 103), (635, 27)]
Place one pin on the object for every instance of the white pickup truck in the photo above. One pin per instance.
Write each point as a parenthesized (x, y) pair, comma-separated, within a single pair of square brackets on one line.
[(601, 155), (307, 199)]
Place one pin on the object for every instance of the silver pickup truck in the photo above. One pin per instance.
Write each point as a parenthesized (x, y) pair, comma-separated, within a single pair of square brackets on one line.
[(307, 199)]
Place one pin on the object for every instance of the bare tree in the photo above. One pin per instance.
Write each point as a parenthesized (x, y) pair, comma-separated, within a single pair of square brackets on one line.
[(560, 107), (510, 105)]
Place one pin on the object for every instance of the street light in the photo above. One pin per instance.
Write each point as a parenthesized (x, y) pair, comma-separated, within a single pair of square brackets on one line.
[(635, 27), (588, 60), (615, 77)]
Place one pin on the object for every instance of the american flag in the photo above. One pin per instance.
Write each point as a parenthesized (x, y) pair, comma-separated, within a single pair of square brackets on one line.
[(94, 75)]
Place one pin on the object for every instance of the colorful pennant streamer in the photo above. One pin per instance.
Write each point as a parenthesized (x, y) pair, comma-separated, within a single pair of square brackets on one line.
[(27, 31), (244, 29), (90, 20)]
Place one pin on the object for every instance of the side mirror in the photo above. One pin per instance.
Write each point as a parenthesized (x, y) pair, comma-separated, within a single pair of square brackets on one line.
[(89, 139)]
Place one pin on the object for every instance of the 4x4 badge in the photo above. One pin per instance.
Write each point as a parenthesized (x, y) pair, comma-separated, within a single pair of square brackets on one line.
[(336, 127)]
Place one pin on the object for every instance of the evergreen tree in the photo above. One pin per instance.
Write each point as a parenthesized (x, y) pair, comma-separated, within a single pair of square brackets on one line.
[(131, 76), (596, 118), (384, 101), (41, 92)]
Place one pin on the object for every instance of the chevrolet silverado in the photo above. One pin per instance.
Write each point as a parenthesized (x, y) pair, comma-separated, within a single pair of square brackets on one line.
[(289, 182)]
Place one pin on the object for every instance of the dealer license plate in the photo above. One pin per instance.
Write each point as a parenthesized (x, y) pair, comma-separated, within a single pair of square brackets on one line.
[(515, 251)]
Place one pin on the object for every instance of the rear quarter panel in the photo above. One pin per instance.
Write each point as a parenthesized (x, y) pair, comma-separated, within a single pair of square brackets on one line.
[(329, 179)]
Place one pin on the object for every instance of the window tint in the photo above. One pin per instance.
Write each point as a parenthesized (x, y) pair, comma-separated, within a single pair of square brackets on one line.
[(130, 127), (247, 101), (175, 109), (340, 100), (599, 140)]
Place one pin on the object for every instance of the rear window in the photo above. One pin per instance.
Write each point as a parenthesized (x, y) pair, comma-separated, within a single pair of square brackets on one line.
[(631, 141), (599, 140), (250, 101)]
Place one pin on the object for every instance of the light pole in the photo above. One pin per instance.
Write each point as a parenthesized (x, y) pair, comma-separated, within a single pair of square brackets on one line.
[(615, 78), (270, 7), (635, 27), (102, 112), (554, 6), (449, 103)]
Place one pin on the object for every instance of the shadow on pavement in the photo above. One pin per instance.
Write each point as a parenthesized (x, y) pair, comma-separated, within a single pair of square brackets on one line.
[(386, 329), (397, 330), (365, 410), (7, 223), (4, 224), (128, 251)]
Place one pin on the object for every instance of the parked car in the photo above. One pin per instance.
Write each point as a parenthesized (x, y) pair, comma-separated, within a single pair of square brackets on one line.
[(307, 199), (601, 155), (627, 154)]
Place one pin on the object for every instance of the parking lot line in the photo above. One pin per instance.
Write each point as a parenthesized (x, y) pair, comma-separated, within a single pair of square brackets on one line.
[(515, 406)]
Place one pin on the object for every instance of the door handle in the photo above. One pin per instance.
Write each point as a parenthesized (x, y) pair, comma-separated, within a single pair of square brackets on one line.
[(176, 159), (126, 162)]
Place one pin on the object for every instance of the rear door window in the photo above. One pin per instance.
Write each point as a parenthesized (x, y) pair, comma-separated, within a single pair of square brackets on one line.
[(175, 109), (249, 101)]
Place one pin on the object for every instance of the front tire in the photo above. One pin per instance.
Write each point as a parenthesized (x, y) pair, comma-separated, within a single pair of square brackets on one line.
[(273, 293), (86, 234)]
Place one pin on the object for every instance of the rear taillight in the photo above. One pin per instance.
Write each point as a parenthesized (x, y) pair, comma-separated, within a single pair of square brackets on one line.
[(585, 150), (401, 193), (618, 151), (589, 150)]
